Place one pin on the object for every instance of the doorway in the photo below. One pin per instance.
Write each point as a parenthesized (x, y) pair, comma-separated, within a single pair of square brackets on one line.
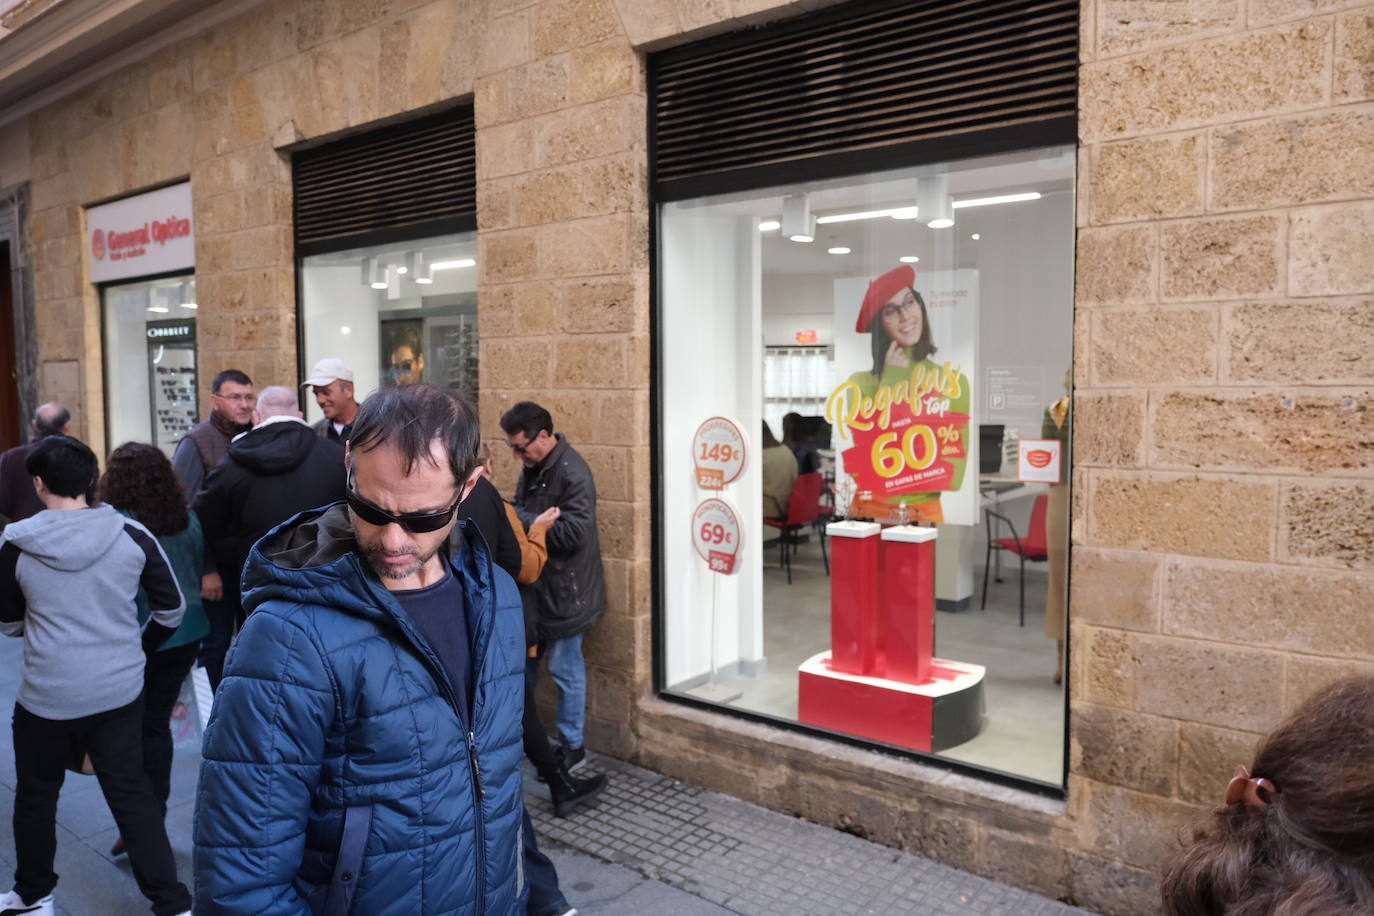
[(11, 422)]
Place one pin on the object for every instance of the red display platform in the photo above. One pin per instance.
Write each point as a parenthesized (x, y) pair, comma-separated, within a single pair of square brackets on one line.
[(879, 680), (944, 712)]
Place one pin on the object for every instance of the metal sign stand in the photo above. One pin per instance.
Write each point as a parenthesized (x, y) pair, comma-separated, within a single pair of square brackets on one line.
[(713, 690)]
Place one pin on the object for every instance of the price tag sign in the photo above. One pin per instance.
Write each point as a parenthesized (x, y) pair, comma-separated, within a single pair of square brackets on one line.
[(716, 535), (718, 453), (1038, 460)]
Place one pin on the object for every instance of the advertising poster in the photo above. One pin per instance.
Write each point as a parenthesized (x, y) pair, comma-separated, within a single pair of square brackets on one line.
[(904, 345)]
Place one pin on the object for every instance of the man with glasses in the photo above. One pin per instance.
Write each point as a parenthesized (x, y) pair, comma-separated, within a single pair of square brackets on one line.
[(363, 755), (204, 446), (571, 591)]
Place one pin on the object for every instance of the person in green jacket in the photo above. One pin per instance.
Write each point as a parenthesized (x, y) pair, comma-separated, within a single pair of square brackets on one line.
[(140, 483), (894, 314)]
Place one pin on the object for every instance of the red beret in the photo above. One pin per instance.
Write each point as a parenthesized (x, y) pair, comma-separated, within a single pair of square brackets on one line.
[(881, 290)]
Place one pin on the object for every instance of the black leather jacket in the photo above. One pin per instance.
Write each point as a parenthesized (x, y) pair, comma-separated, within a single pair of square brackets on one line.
[(571, 591)]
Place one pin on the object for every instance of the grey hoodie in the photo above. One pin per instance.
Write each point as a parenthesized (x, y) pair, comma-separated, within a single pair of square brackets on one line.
[(67, 584)]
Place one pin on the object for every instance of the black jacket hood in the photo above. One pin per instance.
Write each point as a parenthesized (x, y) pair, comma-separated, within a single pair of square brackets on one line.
[(275, 448)]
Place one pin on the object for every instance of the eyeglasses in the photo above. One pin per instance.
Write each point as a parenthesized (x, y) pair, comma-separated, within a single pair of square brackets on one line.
[(405, 368), (414, 522), (907, 306), (236, 398)]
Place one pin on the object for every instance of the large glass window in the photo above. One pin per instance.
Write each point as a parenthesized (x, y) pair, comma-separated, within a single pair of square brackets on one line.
[(895, 349), (396, 314), (150, 361)]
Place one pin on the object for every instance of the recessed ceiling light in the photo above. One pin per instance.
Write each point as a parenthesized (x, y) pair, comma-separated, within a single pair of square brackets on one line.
[(401, 269), (802, 238), (345, 329), (769, 225), (1001, 199), (159, 309), (909, 259), (975, 236), (838, 249), (449, 265)]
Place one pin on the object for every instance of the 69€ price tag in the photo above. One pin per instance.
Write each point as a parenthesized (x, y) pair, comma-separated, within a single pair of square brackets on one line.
[(716, 535), (718, 453)]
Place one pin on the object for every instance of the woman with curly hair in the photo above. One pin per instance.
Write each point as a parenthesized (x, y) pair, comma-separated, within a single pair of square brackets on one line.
[(139, 482), (1296, 834)]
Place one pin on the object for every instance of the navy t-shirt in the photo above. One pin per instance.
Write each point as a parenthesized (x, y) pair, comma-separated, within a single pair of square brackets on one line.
[(439, 612)]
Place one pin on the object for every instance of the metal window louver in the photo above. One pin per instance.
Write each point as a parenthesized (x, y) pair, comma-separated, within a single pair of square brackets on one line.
[(411, 175), (859, 81)]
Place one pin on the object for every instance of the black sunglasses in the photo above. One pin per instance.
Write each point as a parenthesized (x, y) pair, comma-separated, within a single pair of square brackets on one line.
[(414, 522)]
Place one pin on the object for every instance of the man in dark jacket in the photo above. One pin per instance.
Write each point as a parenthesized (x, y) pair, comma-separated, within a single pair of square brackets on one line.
[(363, 755), (571, 591), (203, 447), (276, 469), (18, 499)]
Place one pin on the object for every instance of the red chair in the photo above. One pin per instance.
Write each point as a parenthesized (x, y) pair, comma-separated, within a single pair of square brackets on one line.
[(803, 508), (1034, 547)]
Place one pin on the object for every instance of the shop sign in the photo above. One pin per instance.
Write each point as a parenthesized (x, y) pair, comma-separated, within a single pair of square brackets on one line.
[(138, 236), (718, 453), (807, 338), (1038, 460), (716, 534)]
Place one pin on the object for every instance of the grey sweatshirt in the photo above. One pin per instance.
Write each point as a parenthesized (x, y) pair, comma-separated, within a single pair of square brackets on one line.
[(67, 584)]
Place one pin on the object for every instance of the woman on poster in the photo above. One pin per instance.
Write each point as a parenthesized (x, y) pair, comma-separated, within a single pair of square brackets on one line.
[(894, 314)]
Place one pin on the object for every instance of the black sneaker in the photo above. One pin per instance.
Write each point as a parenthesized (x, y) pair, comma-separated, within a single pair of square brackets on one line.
[(572, 758)]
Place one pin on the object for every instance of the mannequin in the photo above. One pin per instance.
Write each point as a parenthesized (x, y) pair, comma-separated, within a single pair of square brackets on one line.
[(1056, 425)]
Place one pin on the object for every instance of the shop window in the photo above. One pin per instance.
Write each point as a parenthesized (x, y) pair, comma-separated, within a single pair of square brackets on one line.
[(150, 360), (905, 336), (396, 314)]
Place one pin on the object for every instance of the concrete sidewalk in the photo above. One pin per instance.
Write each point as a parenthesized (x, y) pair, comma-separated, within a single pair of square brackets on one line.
[(649, 845)]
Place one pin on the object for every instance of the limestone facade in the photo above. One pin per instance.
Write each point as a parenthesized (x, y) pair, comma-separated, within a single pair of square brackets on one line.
[(1223, 559)]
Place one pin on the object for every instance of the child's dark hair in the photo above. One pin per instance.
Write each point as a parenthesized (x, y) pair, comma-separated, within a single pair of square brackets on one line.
[(65, 465), (1304, 844)]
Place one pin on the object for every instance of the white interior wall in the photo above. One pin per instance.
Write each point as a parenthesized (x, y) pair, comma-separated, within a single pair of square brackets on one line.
[(711, 340)]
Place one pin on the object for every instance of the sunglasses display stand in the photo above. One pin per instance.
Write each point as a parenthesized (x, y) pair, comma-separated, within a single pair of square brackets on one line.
[(880, 679)]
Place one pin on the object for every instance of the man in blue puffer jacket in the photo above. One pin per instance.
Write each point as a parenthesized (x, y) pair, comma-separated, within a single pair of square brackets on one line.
[(363, 755)]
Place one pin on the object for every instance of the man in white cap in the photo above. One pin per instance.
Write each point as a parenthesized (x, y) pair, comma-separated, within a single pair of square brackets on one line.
[(332, 382)]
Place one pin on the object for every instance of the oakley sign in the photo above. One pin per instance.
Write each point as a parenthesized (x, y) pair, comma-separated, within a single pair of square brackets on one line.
[(141, 235)]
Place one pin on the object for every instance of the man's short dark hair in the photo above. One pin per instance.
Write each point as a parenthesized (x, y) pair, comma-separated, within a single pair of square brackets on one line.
[(65, 465), (411, 417), (229, 375), (526, 417), (51, 419)]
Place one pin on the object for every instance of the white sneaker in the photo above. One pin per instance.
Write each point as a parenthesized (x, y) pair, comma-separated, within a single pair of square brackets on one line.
[(11, 904)]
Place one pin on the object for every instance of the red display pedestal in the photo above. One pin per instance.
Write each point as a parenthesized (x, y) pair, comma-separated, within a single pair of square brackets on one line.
[(879, 680), (944, 712)]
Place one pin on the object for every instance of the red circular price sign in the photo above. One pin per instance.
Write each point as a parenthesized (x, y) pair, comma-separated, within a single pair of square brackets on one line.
[(718, 453), (716, 535)]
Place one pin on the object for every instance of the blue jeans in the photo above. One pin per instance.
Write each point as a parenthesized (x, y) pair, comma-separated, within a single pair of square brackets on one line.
[(569, 672), (545, 897)]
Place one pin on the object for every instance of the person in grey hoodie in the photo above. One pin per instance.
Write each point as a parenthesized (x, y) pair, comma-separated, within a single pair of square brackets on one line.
[(68, 577)]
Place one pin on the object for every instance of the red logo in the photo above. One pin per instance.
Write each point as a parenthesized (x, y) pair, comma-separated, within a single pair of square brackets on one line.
[(806, 337), (98, 244), (1038, 458)]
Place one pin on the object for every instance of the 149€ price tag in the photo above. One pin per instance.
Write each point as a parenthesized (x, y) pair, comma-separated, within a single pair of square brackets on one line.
[(716, 534), (718, 453)]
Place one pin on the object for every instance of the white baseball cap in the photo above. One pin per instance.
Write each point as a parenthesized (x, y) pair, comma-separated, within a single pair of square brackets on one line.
[(327, 371)]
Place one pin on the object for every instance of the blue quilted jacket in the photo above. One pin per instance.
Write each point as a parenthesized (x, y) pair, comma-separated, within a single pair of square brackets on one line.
[(339, 776)]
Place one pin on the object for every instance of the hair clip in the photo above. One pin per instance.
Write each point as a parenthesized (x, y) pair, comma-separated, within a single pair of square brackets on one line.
[(1243, 787)]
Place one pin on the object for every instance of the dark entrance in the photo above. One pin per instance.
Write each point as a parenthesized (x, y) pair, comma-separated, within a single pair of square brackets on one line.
[(11, 420)]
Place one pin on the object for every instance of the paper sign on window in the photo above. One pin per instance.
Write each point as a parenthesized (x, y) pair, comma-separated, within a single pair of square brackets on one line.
[(1038, 460)]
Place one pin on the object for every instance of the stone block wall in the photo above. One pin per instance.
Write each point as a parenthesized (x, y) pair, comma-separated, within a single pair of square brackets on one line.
[(1224, 550), (1223, 555)]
